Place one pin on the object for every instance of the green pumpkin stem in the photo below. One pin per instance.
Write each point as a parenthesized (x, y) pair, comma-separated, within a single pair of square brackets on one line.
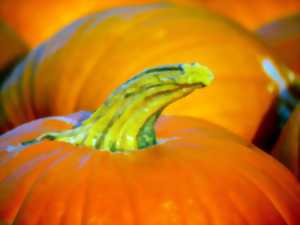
[(125, 121)]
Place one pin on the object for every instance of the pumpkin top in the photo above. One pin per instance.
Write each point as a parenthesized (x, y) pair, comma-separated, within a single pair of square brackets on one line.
[(125, 121)]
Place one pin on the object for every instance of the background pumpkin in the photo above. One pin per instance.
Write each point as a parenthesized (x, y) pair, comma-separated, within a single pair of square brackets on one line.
[(97, 53), (283, 35), (287, 148), (12, 49), (174, 182), (37, 20)]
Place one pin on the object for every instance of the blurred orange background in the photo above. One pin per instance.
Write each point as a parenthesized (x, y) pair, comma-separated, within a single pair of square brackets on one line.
[(37, 20)]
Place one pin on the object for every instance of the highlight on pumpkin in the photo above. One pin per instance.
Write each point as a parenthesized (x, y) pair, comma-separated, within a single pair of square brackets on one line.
[(283, 36), (125, 121)]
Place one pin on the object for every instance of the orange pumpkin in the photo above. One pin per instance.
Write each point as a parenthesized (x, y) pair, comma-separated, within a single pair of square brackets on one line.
[(197, 173), (287, 149), (283, 35), (12, 48), (37, 20), (252, 14), (99, 52)]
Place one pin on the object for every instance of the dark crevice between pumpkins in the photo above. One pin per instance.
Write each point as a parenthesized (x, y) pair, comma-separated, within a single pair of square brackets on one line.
[(279, 112), (125, 121)]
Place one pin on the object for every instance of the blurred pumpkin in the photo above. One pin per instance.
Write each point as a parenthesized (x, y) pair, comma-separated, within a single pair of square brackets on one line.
[(37, 20), (97, 53), (198, 173), (12, 48), (287, 148), (283, 35)]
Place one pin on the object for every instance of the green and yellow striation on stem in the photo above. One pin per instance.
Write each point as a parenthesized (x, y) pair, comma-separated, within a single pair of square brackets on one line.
[(125, 121)]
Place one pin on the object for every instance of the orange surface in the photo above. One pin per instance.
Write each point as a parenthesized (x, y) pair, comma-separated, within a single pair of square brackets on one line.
[(77, 69), (11, 46), (287, 148), (37, 20), (198, 174)]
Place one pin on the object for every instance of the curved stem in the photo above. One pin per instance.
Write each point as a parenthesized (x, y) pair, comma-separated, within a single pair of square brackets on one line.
[(125, 121)]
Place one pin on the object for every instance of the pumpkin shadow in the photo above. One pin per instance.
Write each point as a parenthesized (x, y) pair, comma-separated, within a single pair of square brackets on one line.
[(269, 129), (8, 69), (276, 117)]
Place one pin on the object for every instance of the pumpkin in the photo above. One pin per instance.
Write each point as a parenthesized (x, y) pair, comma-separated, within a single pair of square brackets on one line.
[(287, 149), (283, 35), (111, 169), (97, 53), (37, 20), (12, 48), (253, 14)]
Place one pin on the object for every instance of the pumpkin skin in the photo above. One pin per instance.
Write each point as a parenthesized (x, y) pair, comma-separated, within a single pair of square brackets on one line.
[(37, 20), (287, 149), (242, 11), (283, 35), (201, 174), (12, 48), (99, 52)]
